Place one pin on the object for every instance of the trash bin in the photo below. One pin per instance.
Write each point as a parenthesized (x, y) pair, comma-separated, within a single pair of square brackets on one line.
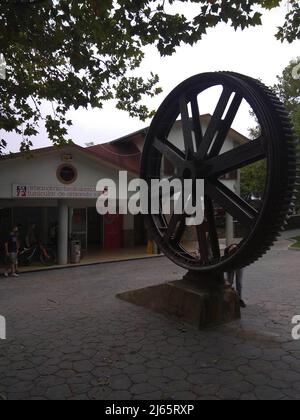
[(75, 252)]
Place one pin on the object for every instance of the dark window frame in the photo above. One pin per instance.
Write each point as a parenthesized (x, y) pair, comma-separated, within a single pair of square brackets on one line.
[(59, 174)]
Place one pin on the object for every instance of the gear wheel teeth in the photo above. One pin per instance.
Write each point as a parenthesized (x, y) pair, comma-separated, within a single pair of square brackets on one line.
[(293, 158), (280, 196)]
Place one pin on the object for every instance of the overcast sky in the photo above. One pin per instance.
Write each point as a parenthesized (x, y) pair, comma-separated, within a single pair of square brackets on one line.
[(255, 52)]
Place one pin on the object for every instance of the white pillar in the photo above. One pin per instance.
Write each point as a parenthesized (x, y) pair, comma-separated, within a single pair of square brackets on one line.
[(63, 225), (45, 227), (71, 211), (229, 230)]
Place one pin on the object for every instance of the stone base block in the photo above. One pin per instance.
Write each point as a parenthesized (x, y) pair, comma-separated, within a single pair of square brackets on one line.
[(202, 302)]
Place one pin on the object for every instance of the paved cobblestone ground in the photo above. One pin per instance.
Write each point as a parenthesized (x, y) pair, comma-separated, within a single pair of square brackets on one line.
[(70, 338)]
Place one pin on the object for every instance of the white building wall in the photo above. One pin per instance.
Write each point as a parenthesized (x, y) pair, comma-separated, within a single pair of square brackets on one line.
[(41, 170)]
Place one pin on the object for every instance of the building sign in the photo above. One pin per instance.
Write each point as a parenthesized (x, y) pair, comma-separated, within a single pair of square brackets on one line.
[(52, 191)]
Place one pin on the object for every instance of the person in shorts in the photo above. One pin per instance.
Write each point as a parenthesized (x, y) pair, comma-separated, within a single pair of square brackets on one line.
[(12, 247)]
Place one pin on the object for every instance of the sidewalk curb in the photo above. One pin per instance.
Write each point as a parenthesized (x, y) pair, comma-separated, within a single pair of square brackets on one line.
[(69, 266), (291, 247)]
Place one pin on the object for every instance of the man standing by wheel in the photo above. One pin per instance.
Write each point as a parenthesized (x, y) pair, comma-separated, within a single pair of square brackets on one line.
[(236, 275), (12, 247)]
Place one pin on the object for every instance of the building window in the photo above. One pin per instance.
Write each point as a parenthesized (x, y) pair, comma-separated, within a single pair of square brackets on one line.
[(67, 174)]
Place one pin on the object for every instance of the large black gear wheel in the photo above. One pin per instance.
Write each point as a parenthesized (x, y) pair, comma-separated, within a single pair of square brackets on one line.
[(202, 157)]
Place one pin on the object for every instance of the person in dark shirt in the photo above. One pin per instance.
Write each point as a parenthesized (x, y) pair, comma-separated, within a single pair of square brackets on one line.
[(12, 246)]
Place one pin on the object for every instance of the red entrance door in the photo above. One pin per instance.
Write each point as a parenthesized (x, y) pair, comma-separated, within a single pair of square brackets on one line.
[(113, 231)]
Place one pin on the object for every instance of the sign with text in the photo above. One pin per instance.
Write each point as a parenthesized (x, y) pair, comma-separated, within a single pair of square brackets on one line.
[(53, 191)]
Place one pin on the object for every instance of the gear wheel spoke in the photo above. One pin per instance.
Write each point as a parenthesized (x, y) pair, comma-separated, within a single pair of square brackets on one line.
[(236, 159)]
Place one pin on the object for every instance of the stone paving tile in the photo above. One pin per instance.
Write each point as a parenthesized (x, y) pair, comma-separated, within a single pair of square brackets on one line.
[(60, 392), (120, 383), (70, 338)]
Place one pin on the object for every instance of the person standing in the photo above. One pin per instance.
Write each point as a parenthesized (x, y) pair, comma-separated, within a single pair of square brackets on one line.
[(236, 276), (12, 247), (31, 238)]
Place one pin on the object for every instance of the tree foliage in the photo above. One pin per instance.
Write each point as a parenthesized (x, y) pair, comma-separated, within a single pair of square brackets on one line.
[(288, 89), (81, 53), (253, 179)]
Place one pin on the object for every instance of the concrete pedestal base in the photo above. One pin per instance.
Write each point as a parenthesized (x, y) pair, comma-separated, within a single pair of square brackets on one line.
[(199, 301)]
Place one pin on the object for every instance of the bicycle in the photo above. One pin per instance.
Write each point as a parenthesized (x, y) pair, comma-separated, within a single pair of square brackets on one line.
[(46, 255)]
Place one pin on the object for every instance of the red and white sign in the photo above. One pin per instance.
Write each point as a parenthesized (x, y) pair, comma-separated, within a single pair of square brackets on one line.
[(52, 191)]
